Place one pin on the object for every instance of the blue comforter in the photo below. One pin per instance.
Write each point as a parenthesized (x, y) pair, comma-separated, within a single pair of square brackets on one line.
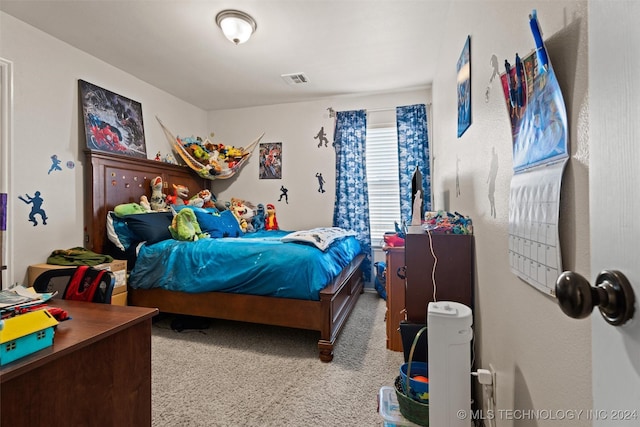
[(257, 263)]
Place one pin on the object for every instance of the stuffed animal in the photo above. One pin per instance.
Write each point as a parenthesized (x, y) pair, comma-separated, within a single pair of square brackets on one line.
[(248, 215), (196, 201), (206, 197), (157, 202), (128, 209), (258, 219), (180, 195), (170, 158), (271, 222), (144, 202), (184, 226), (239, 209), (222, 205)]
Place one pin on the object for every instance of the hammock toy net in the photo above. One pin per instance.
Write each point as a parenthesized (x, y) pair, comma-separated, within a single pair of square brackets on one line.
[(211, 161)]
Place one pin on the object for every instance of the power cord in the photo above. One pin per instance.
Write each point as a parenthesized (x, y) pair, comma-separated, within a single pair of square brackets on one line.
[(435, 263), (485, 378)]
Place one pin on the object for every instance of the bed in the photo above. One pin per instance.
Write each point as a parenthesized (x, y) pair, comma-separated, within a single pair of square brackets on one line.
[(111, 180)]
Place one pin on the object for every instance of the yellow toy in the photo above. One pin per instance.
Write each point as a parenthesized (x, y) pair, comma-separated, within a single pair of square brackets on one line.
[(271, 222), (239, 209)]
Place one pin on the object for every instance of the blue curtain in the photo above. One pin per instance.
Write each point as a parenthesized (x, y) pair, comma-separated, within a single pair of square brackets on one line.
[(351, 209), (413, 151)]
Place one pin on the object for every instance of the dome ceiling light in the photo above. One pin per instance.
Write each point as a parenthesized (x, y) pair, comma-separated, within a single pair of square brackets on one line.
[(237, 26)]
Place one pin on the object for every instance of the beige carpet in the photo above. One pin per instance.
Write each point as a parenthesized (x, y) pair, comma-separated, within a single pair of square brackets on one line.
[(241, 374)]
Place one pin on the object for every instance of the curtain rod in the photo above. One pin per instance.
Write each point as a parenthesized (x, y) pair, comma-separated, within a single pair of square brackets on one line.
[(332, 112)]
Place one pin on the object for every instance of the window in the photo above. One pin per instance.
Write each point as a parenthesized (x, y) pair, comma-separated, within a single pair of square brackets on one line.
[(383, 181)]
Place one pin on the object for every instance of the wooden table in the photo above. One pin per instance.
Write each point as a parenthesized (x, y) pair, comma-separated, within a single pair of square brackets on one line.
[(98, 371)]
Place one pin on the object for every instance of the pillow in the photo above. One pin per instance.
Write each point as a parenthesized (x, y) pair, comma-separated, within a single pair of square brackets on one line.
[(195, 209), (214, 222), (319, 237), (150, 227), (218, 224), (119, 232)]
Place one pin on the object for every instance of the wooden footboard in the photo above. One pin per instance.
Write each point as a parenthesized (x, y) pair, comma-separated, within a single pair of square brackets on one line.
[(327, 316), (337, 301)]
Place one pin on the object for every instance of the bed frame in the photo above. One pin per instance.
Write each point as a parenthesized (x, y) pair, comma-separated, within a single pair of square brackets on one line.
[(112, 179)]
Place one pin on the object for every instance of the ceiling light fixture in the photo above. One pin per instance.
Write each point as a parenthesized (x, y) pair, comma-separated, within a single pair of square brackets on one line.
[(237, 26)]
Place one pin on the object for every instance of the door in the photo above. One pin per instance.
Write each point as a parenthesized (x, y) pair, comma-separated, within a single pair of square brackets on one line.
[(614, 182)]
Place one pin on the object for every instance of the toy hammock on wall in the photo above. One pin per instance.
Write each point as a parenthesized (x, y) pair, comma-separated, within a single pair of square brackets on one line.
[(211, 161)]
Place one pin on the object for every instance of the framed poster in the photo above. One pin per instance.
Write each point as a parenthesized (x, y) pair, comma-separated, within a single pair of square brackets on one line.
[(270, 160), (464, 88), (112, 122)]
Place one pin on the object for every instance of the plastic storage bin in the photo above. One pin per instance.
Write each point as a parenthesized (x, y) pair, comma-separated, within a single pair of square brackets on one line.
[(390, 410)]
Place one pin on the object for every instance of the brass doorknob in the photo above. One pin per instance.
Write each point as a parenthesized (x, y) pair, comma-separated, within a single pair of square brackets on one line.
[(612, 294)]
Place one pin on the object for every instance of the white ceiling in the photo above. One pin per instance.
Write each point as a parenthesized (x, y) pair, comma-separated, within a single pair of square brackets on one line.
[(342, 46)]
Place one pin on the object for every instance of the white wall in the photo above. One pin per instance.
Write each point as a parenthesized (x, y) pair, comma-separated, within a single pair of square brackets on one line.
[(295, 125), (47, 121), (543, 358)]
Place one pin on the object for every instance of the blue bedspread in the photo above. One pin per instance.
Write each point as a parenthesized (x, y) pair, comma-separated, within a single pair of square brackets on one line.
[(257, 263)]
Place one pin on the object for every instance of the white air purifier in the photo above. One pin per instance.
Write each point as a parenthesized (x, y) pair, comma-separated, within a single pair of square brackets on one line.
[(449, 336)]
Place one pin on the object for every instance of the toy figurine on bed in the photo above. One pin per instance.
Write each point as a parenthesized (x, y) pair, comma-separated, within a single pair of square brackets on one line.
[(207, 198), (158, 199), (258, 219), (271, 222), (184, 226), (240, 210), (180, 195)]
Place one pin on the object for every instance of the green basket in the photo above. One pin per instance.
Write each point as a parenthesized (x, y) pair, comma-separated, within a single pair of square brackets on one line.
[(414, 411)]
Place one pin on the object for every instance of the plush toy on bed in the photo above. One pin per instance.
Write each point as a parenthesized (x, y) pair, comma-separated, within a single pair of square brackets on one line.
[(157, 201), (258, 219), (248, 217), (128, 209), (196, 201), (185, 226), (239, 210), (144, 202), (180, 195), (207, 198), (271, 222)]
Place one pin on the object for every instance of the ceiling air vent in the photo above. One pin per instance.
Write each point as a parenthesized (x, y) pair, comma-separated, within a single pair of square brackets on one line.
[(295, 78)]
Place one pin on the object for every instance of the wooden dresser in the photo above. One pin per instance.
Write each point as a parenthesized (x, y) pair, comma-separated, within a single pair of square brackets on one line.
[(453, 273), (98, 371), (395, 288)]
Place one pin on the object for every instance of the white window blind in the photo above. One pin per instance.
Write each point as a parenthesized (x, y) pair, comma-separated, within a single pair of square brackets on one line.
[(383, 181)]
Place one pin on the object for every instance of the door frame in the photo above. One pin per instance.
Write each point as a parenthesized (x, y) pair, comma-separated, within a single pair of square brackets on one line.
[(6, 137)]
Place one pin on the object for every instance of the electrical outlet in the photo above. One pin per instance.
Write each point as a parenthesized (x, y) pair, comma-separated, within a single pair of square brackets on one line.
[(493, 381)]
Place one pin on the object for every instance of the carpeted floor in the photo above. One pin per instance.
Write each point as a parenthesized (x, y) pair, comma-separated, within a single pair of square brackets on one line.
[(241, 374)]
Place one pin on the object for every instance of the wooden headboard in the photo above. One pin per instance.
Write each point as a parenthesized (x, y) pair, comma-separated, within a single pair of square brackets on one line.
[(112, 179)]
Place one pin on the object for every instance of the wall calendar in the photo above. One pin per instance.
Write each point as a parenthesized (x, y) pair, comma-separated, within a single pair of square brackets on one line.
[(540, 153)]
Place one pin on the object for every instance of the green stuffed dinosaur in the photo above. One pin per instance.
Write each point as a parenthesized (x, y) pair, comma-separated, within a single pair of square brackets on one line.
[(185, 226), (128, 209)]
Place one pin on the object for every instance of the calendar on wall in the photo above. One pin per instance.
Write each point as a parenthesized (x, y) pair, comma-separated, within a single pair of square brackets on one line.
[(540, 153), (534, 241)]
